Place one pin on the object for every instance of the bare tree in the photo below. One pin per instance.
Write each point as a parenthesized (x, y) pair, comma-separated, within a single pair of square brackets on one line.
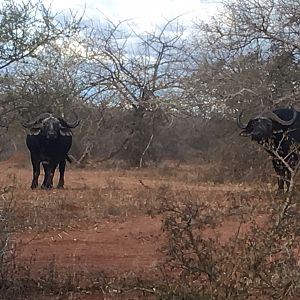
[(26, 29), (27, 26), (248, 56), (51, 82), (139, 73)]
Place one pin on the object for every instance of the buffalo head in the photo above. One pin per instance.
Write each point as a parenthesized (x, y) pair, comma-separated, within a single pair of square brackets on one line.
[(261, 128), (50, 127)]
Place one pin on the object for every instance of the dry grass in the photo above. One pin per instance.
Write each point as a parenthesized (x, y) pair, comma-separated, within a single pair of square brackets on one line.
[(124, 208)]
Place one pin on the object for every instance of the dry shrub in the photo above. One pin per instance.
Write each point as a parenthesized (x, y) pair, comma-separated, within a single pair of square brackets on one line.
[(211, 141), (56, 282), (239, 161), (47, 210), (7, 146), (14, 279), (230, 253)]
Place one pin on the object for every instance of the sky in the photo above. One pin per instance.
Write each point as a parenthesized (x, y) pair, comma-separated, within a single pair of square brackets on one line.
[(146, 14)]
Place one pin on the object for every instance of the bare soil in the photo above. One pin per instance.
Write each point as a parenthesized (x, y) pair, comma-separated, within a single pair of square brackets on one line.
[(118, 246), (101, 221)]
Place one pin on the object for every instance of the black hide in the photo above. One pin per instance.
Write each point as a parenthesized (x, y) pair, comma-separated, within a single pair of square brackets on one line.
[(49, 143), (278, 140)]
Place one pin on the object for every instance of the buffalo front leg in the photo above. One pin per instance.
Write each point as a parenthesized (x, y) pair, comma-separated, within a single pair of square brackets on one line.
[(62, 167), (49, 174), (287, 179), (280, 185), (289, 176), (36, 172), (280, 171), (46, 174)]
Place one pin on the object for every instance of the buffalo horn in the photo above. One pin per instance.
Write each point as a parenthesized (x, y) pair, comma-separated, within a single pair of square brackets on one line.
[(38, 119), (69, 125), (239, 122), (274, 117)]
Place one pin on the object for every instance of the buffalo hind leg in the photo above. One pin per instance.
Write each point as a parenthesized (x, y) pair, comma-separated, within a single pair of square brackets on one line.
[(62, 167), (36, 172)]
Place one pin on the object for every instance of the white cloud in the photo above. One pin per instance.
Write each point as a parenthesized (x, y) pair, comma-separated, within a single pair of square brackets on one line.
[(146, 14)]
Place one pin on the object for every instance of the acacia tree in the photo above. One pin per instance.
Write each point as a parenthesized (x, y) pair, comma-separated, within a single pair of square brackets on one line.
[(25, 29), (52, 82), (248, 56), (138, 74), (26, 26)]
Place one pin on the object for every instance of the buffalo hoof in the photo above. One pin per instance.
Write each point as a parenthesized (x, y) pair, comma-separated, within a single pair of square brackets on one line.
[(46, 187), (279, 192), (34, 185), (60, 187)]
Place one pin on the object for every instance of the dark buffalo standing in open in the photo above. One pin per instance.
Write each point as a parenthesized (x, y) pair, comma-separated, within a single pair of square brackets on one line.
[(279, 132), (49, 141)]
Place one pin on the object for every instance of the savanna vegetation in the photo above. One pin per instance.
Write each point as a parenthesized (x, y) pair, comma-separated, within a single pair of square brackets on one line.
[(157, 140)]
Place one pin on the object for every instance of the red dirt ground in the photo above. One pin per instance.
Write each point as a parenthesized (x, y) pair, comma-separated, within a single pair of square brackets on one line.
[(129, 246), (117, 245)]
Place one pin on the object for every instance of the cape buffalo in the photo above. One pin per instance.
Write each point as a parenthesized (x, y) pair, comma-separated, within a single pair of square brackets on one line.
[(279, 133), (49, 141)]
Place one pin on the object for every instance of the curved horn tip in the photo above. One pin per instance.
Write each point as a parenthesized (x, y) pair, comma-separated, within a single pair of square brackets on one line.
[(271, 115), (36, 120), (70, 125), (75, 124), (239, 122)]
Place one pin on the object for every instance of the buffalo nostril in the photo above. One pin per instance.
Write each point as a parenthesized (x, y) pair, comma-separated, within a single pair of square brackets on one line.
[(51, 135)]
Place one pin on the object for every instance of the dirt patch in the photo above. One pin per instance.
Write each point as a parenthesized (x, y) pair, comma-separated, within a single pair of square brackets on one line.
[(104, 220), (130, 246), (18, 167), (125, 241)]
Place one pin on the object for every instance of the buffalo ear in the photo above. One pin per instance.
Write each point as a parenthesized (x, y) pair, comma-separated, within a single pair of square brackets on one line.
[(245, 132), (65, 132), (34, 131)]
